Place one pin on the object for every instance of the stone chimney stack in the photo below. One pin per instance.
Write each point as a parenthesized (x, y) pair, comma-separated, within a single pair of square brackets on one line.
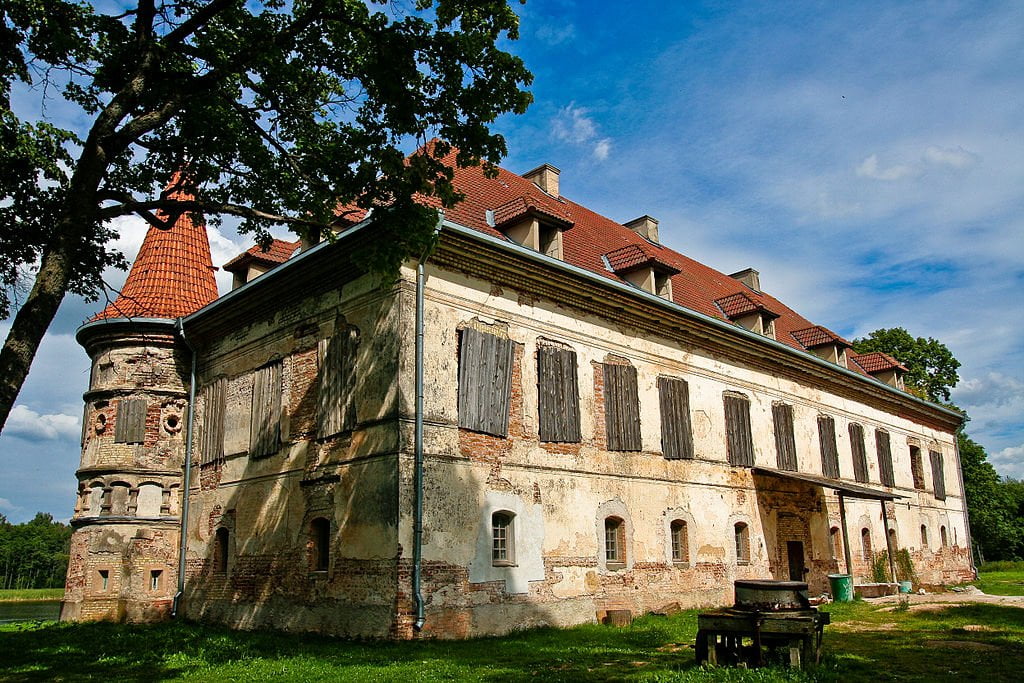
[(750, 277), (545, 177), (645, 226)]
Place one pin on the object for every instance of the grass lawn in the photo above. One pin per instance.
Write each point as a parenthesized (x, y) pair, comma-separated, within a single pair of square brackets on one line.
[(1001, 578), (30, 594), (865, 643)]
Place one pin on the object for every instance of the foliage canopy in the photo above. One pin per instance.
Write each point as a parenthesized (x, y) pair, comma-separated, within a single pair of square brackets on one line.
[(281, 111), (931, 367)]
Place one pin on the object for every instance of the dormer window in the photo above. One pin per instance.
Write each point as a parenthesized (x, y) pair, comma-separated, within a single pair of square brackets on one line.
[(882, 367), (533, 223), (644, 267), (749, 312), (823, 343)]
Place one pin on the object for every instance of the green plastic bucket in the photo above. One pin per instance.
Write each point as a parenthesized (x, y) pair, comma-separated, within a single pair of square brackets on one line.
[(842, 587)]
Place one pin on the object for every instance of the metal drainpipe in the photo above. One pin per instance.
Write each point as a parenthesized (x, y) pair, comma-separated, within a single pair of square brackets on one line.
[(417, 526), (183, 531)]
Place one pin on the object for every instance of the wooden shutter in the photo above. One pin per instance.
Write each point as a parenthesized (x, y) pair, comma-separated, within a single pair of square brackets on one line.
[(336, 405), (676, 430), (739, 442), (485, 382), (214, 406), (131, 421), (785, 443), (884, 458), (938, 475), (621, 408), (860, 456), (829, 453), (265, 427), (917, 467), (558, 398)]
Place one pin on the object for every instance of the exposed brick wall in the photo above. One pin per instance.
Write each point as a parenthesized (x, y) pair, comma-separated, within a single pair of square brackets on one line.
[(490, 449)]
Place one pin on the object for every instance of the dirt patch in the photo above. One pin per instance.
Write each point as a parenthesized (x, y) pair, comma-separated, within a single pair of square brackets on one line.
[(963, 645), (860, 626)]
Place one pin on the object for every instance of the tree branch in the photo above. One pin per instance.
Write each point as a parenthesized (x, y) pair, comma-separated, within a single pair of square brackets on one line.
[(196, 21), (175, 208)]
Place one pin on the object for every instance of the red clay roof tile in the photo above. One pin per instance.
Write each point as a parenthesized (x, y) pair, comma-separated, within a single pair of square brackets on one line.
[(276, 253), (877, 361), (816, 335)]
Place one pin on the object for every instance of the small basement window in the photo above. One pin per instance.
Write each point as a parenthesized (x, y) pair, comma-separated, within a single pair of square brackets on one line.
[(502, 539), (865, 544), (155, 579), (104, 580), (680, 542), (220, 551), (614, 543), (742, 534), (320, 540)]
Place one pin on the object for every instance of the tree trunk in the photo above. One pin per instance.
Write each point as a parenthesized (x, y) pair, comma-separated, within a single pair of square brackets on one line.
[(31, 323)]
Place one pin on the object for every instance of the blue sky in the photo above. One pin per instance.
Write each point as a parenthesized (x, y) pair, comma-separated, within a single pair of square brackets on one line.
[(866, 158)]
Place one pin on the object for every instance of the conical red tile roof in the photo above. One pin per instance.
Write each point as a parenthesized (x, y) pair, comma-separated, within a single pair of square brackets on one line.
[(173, 274)]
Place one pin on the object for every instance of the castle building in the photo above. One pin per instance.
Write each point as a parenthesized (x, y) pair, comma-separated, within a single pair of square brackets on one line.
[(550, 416)]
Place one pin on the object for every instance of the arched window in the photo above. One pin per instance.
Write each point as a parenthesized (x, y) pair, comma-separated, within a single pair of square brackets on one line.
[(943, 537), (614, 542), (836, 537), (865, 544), (924, 537), (680, 542), (320, 542), (742, 532), (503, 539), (220, 551)]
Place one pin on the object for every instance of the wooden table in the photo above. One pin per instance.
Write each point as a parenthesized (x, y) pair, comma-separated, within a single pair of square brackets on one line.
[(735, 636)]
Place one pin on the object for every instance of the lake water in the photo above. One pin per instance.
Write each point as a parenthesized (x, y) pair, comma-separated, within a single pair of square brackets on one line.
[(29, 611)]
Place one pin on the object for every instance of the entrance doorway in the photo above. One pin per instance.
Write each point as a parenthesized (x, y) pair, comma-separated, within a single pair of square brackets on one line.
[(795, 552)]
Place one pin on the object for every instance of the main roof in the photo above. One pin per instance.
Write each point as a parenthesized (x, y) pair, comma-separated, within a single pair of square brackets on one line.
[(173, 274), (610, 249)]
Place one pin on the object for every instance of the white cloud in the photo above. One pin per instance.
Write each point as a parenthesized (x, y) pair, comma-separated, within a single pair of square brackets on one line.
[(552, 34), (956, 157), (1009, 462), (7, 505), (573, 124), (869, 169), (28, 424)]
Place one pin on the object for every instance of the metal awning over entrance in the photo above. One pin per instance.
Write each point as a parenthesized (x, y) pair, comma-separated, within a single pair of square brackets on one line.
[(845, 488)]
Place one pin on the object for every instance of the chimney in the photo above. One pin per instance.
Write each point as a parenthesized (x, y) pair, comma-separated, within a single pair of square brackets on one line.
[(545, 177), (645, 226), (750, 277)]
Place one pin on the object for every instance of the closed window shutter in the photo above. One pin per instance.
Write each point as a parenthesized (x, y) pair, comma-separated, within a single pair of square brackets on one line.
[(739, 443), (214, 405), (785, 444), (558, 400), (336, 405), (265, 428), (131, 421), (676, 430), (860, 456), (485, 382), (621, 408), (829, 452), (884, 458), (938, 475)]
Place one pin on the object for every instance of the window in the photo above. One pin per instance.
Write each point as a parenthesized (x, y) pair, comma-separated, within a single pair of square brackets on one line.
[(549, 241), (485, 382), (865, 545), (785, 444), (558, 397), (938, 475), (502, 539), (155, 576), (860, 458), (917, 467), (131, 421), (104, 580), (827, 441), (214, 406), (924, 537), (614, 543), (836, 537), (663, 285), (220, 551), (265, 428), (621, 408), (742, 533), (336, 403), (320, 542), (676, 429), (884, 457), (680, 542), (739, 443), (943, 537)]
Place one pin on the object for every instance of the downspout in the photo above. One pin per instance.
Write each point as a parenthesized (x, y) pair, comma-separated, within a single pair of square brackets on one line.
[(183, 531), (417, 525)]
